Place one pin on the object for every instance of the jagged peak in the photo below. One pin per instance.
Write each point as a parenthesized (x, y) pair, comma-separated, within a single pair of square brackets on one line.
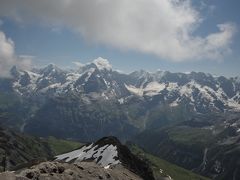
[(108, 140), (51, 68), (140, 72), (14, 71)]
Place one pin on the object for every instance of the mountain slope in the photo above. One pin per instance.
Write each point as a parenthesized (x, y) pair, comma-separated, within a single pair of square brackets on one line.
[(162, 168), (107, 152), (65, 171), (72, 118), (207, 146), (17, 149)]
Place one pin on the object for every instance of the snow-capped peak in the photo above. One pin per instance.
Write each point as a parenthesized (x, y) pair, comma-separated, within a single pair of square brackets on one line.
[(51, 66), (102, 64)]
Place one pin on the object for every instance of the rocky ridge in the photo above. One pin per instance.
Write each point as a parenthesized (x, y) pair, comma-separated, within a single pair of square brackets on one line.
[(65, 171)]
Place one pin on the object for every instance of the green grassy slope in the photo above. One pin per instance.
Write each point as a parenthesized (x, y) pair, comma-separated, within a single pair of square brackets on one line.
[(60, 146), (162, 168)]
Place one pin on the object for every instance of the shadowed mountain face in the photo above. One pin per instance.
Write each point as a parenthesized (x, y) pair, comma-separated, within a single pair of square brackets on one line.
[(208, 146), (17, 149)]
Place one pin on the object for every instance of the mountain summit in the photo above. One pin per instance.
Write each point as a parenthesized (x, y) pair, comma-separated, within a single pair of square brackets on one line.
[(107, 152)]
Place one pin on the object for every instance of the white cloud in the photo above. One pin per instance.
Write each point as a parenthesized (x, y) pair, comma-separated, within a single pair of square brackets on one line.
[(8, 58), (161, 27), (78, 64), (102, 63)]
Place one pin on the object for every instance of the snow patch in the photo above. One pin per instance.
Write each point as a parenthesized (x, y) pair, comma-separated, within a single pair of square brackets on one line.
[(89, 73), (104, 156), (72, 77), (174, 104), (153, 88), (121, 100), (233, 104), (172, 86), (134, 90)]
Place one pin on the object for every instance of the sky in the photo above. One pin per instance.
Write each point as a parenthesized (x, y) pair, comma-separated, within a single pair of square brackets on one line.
[(173, 35)]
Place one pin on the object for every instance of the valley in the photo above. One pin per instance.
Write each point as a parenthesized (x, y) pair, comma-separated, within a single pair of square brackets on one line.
[(191, 120), (119, 90)]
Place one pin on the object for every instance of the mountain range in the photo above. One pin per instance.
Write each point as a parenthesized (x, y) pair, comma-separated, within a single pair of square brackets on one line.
[(98, 81), (190, 119), (95, 96)]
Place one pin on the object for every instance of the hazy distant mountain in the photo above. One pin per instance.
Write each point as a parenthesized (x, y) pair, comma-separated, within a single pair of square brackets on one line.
[(94, 81), (63, 103)]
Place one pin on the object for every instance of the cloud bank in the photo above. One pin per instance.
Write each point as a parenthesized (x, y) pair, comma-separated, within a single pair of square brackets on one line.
[(8, 58), (164, 28)]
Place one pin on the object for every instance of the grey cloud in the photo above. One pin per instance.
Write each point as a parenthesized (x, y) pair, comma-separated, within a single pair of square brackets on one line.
[(161, 27), (8, 58)]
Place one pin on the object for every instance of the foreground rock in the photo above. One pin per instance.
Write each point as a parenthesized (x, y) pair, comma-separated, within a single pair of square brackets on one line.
[(65, 171), (105, 159)]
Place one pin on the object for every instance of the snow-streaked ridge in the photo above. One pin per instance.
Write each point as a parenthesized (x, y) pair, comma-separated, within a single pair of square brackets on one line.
[(187, 90), (105, 156), (97, 80)]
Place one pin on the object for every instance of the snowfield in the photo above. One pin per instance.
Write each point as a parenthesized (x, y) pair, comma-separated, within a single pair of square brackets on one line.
[(104, 156)]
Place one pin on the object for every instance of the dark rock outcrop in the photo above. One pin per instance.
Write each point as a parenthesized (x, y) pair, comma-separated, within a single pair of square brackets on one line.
[(18, 150), (128, 159)]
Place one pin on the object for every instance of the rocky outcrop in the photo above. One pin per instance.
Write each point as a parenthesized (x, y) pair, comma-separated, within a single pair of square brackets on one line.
[(107, 158), (66, 171)]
